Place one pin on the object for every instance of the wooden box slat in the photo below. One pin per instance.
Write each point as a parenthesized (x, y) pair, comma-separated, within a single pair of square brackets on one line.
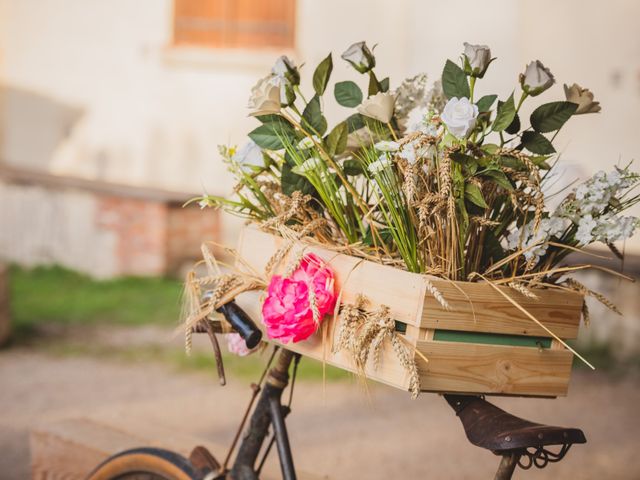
[(401, 291), (477, 307), (497, 369)]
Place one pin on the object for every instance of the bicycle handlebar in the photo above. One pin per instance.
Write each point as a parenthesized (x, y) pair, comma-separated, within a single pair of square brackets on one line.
[(241, 323)]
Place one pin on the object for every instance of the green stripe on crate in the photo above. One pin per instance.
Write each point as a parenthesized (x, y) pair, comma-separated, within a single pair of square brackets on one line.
[(491, 338)]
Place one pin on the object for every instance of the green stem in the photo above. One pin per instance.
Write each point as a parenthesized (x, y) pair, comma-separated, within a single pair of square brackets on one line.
[(522, 98), (472, 86)]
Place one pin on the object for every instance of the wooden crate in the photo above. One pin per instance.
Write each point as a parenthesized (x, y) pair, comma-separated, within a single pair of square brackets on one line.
[(482, 344)]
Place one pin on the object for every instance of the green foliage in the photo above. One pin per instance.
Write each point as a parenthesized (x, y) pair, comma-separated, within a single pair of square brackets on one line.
[(454, 81), (537, 143), (322, 74), (506, 114), (484, 104), (337, 139), (313, 117), (270, 135), (348, 94), (552, 116), (473, 193)]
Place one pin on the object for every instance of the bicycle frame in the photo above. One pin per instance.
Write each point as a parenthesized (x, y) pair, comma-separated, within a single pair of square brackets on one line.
[(269, 411)]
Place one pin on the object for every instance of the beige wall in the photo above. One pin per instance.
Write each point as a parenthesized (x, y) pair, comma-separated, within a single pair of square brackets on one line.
[(148, 114)]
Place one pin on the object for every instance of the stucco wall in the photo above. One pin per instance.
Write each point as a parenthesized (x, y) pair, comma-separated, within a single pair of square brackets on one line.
[(145, 113)]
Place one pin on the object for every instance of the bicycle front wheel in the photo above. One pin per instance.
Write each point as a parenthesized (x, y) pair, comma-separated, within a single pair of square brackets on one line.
[(145, 464)]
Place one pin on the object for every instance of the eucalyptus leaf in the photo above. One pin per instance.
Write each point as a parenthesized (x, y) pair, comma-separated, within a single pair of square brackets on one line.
[(505, 115), (384, 84), (348, 94), (322, 74), (313, 117), (537, 143), (551, 116), (473, 193), (484, 104), (454, 81), (337, 139), (270, 135)]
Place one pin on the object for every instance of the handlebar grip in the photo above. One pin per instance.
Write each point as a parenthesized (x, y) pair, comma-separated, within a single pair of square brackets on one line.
[(241, 323)]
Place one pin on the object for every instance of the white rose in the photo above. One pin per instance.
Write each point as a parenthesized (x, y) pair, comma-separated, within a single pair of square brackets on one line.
[(582, 97), (380, 106), (265, 97), (249, 155), (536, 78), (459, 115), (284, 67), (287, 97), (479, 58), (360, 57)]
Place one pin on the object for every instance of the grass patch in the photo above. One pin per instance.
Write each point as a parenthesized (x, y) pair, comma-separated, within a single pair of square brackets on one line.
[(55, 294), (238, 368)]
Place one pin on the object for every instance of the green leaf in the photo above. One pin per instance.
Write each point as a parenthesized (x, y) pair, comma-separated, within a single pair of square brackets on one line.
[(374, 87), (514, 126), (337, 139), (454, 81), (313, 117), (384, 84), (505, 115), (348, 94), (322, 74), (499, 177), (484, 104), (354, 122), (292, 182), (473, 193), (352, 167), (551, 116), (537, 143), (270, 135), (490, 148), (384, 233)]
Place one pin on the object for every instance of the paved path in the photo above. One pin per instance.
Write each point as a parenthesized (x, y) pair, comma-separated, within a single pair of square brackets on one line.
[(338, 431)]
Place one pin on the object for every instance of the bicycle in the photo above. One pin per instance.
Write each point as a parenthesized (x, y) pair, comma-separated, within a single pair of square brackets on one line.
[(517, 441)]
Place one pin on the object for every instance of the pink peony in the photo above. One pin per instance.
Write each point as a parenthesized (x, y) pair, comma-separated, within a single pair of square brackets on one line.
[(286, 312), (237, 345)]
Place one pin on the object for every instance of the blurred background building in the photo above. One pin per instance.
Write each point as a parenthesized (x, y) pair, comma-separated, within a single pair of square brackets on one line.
[(111, 111)]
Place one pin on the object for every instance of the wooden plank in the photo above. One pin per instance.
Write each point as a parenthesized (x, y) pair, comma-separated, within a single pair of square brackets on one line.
[(389, 372), (494, 369), (403, 292), (477, 307)]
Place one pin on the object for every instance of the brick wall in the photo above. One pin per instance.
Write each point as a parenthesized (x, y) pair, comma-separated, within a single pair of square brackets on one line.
[(102, 229)]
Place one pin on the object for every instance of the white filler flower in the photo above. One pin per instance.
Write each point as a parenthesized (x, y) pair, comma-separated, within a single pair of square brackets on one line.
[(249, 155), (459, 115)]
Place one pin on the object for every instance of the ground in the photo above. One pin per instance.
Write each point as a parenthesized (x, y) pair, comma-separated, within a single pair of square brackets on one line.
[(337, 429)]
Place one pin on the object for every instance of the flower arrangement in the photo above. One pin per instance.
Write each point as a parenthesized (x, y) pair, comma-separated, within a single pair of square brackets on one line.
[(434, 179), (437, 180)]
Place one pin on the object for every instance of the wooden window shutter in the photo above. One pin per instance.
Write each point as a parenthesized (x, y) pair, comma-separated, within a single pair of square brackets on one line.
[(235, 23)]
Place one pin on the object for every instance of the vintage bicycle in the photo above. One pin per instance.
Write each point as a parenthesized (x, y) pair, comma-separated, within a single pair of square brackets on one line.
[(517, 441)]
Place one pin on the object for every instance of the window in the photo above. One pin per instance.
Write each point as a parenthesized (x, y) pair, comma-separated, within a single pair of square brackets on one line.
[(234, 23)]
